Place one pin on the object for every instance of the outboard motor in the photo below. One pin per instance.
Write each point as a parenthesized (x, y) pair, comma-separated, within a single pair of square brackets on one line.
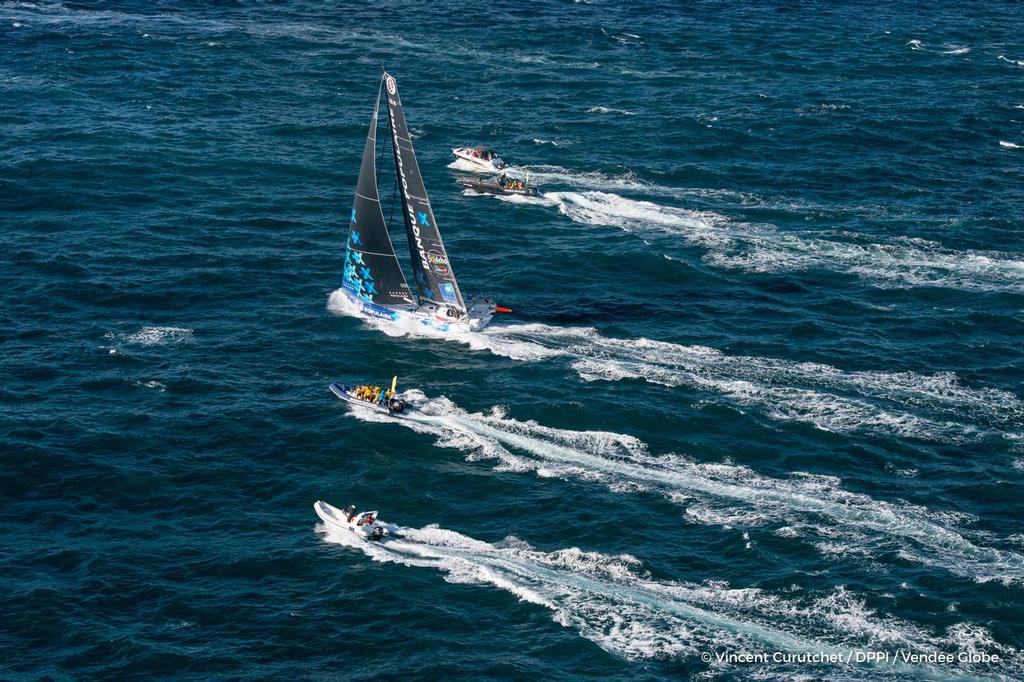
[(378, 533), (396, 405)]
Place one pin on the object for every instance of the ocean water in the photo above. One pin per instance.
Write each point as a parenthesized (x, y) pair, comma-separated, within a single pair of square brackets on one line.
[(761, 393)]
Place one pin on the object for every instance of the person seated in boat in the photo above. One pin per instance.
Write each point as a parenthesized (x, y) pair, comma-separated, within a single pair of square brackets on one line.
[(350, 512), (381, 396)]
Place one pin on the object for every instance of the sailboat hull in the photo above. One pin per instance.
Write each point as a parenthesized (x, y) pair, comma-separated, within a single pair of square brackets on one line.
[(479, 314)]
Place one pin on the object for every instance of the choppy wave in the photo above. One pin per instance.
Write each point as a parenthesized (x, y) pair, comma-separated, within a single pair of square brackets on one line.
[(1010, 145), (613, 601), (153, 336), (823, 108), (904, 262), (610, 110), (902, 404), (158, 385), (947, 48), (1016, 62), (810, 506), (554, 143)]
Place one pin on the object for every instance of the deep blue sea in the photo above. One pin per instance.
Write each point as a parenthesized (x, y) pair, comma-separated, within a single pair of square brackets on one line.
[(761, 394)]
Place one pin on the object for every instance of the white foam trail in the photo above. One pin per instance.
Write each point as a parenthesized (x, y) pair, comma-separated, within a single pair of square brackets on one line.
[(512, 198), (886, 403), (915, 45), (820, 394), (340, 304), (715, 494), (542, 174), (1009, 145), (905, 262), (613, 601), (1017, 62)]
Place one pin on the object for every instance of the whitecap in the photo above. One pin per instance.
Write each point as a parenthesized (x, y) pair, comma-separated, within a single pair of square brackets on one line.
[(157, 385), (153, 336), (609, 110)]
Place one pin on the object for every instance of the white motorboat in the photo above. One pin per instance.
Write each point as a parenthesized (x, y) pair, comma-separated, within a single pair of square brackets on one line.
[(479, 159), (364, 524)]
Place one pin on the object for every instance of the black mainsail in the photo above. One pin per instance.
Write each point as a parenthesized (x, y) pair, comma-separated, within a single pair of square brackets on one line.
[(435, 280), (372, 271)]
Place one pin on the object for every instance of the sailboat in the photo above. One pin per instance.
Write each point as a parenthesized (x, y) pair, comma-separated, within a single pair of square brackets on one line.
[(372, 278)]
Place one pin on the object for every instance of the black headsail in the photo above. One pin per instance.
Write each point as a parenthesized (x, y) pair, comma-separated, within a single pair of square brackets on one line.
[(435, 280), (372, 272)]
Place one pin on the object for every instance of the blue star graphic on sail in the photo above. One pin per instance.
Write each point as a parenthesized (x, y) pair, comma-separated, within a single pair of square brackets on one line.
[(424, 220), (365, 273), (353, 215), (356, 239)]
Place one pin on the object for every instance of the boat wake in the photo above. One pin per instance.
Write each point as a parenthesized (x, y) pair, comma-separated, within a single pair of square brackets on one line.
[(905, 262), (614, 602), (811, 507), (761, 248), (898, 404)]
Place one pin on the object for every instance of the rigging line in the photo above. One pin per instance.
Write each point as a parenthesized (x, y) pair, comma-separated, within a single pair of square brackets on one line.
[(394, 194), (394, 190), (381, 159)]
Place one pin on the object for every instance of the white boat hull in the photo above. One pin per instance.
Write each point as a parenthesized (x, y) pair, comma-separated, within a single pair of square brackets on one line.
[(335, 518), (477, 164), (428, 315)]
